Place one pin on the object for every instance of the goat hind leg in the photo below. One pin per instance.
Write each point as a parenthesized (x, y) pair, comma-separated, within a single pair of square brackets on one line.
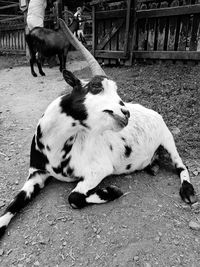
[(86, 193), (34, 183), (39, 64), (187, 192), (32, 60)]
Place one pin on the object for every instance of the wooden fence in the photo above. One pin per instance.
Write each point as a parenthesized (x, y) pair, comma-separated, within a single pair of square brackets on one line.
[(146, 29), (12, 39)]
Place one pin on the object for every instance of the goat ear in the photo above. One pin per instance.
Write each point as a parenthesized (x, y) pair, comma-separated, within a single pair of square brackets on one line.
[(71, 79)]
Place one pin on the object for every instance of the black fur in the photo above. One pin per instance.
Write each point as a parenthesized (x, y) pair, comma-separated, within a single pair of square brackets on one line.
[(187, 192), (60, 168), (128, 150), (73, 105), (77, 200), (95, 85), (2, 231), (38, 159), (110, 193), (38, 138), (18, 203), (128, 166)]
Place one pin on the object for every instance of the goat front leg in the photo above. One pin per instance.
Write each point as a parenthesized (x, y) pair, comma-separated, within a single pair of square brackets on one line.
[(32, 186), (61, 59), (187, 192), (86, 192), (39, 64), (32, 61)]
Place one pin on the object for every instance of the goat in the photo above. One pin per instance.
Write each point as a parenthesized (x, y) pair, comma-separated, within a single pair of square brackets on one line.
[(44, 42), (89, 134)]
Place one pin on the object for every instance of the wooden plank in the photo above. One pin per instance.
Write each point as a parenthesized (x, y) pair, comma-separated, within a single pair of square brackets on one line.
[(96, 2), (127, 26), (93, 30), (162, 30), (172, 33), (114, 44), (142, 34), (183, 33), (119, 13), (110, 54), (194, 33), (151, 34), (121, 34), (176, 55), (110, 32), (169, 11)]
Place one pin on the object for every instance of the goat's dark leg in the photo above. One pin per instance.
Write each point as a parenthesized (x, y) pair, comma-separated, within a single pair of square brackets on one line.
[(86, 193), (187, 192), (32, 61), (60, 56), (39, 64), (34, 183)]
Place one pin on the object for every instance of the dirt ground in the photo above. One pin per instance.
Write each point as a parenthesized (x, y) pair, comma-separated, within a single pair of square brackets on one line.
[(147, 227)]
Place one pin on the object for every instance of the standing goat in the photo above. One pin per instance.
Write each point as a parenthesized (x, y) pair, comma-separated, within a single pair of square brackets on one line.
[(44, 42), (89, 134)]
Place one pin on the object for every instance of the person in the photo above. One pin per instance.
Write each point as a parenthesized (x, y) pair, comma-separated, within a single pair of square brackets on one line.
[(79, 32), (36, 12)]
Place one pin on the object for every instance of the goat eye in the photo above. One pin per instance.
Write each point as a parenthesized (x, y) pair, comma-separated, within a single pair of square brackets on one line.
[(96, 90)]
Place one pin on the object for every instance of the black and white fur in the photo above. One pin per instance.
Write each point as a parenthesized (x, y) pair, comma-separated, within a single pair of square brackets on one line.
[(89, 134)]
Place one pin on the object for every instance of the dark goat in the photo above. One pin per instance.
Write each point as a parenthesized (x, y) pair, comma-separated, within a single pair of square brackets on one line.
[(44, 42)]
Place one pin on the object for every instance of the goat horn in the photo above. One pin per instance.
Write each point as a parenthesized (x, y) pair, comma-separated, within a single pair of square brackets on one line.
[(94, 65)]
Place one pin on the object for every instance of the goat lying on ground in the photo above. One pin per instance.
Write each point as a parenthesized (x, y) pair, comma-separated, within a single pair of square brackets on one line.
[(90, 134), (44, 42)]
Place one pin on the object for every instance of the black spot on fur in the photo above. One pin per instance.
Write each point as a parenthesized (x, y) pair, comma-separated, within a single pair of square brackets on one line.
[(60, 168), (77, 200), (38, 159), (128, 166), (38, 138), (73, 124), (70, 171), (110, 193), (121, 103), (95, 85), (111, 148), (2, 231), (123, 139), (18, 203), (48, 148), (73, 105), (67, 148), (128, 150)]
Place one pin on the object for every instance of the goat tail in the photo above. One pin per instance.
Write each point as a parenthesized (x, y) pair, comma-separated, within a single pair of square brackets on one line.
[(32, 186)]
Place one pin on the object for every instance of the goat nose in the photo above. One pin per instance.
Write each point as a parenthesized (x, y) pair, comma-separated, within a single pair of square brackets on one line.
[(125, 112)]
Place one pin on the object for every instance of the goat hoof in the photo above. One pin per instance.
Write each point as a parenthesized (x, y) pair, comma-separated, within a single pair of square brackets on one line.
[(77, 200), (34, 74), (113, 192), (42, 74), (187, 193)]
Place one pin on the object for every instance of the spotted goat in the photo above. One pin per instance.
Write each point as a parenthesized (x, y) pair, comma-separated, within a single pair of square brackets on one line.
[(89, 134)]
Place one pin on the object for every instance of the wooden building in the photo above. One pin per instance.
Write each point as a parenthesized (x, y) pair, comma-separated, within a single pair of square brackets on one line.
[(122, 30)]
